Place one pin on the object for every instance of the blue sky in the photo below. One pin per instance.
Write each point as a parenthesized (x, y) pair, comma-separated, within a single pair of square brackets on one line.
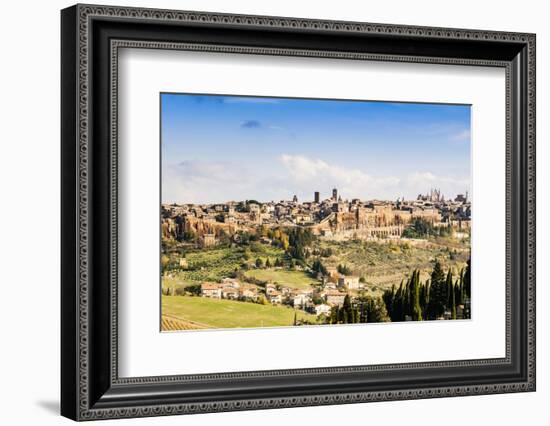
[(222, 148)]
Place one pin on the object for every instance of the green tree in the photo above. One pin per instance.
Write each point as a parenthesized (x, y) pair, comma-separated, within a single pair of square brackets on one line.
[(334, 315), (449, 289), (420, 228), (189, 236), (416, 309), (460, 300), (298, 240), (344, 269), (347, 308), (467, 279), (389, 298), (372, 309), (318, 267), (438, 292), (398, 306), (453, 303), (426, 299), (438, 276), (259, 263), (355, 315)]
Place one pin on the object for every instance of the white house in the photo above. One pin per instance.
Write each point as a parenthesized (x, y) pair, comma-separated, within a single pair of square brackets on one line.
[(211, 290), (322, 309), (230, 292), (300, 299), (248, 292), (275, 297), (270, 288), (230, 282)]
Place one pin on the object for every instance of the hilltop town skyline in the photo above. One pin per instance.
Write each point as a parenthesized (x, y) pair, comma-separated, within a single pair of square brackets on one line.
[(333, 217), (329, 197)]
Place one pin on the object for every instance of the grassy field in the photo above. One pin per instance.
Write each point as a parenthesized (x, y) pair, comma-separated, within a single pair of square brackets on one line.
[(293, 279), (219, 313), (216, 263)]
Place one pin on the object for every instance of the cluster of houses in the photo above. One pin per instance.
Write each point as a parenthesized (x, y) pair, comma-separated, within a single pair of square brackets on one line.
[(331, 218), (231, 289), (314, 300)]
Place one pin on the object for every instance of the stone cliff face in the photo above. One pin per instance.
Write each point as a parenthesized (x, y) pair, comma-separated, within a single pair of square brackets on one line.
[(377, 222), (174, 228), (363, 223)]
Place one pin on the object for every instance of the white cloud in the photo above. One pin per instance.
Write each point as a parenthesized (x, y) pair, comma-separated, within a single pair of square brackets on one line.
[(221, 181), (203, 181), (461, 136), (422, 182), (311, 174), (352, 183)]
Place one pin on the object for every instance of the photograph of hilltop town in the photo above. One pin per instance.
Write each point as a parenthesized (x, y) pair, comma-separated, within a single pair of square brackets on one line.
[(281, 212)]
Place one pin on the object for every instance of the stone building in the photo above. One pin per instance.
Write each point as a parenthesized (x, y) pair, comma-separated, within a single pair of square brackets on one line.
[(208, 240), (335, 298), (350, 282), (212, 290)]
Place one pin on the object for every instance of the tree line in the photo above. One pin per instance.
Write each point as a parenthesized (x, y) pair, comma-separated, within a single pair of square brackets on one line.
[(362, 309), (418, 301), (413, 300), (422, 228)]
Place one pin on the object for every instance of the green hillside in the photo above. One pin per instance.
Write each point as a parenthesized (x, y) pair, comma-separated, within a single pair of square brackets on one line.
[(221, 313)]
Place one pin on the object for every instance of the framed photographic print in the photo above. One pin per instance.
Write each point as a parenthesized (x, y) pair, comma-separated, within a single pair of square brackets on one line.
[(263, 212)]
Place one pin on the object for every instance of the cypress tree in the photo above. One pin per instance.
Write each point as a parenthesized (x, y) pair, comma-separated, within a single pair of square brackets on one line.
[(376, 310), (426, 299), (448, 289), (416, 310), (362, 314), (334, 314), (407, 298), (467, 278), (398, 305), (457, 292), (438, 292), (345, 317), (438, 276), (341, 315), (355, 315), (461, 288), (388, 297), (453, 302), (347, 308)]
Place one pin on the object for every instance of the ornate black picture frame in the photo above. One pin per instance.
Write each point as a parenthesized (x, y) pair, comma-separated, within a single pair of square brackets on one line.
[(91, 36)]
